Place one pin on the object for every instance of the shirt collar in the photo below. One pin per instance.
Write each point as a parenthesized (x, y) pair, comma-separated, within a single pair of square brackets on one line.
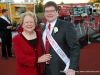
[(4, 16), (52, 23)]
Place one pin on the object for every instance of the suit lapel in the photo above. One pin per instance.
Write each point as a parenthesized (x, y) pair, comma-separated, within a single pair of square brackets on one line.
[(43, 28), (6, 19), (56, 25)]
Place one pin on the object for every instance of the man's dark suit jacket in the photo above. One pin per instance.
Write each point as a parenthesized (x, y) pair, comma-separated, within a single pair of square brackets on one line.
[(66, 38), (4, 32)]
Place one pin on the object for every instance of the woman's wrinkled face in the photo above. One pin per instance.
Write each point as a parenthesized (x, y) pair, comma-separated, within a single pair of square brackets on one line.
[(28, 24)]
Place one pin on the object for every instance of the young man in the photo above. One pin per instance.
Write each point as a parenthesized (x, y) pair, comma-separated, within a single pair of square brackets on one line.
[(60, 40), (5, 34)]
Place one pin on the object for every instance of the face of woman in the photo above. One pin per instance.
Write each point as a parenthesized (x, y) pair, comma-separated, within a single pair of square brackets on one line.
[(28, 24)]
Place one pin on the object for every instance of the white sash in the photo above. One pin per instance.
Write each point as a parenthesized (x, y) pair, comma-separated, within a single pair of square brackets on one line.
[(58, 50), (5, 18)]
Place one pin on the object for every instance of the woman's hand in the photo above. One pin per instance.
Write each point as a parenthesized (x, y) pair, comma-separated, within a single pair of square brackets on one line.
[(44, 58)]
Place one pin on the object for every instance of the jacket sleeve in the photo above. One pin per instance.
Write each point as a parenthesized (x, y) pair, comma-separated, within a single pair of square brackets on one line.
[(22, 58), (73, 43), (2, 26), (40, 52)]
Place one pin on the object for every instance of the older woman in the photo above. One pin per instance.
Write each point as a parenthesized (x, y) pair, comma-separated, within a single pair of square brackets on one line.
[(28, 47)]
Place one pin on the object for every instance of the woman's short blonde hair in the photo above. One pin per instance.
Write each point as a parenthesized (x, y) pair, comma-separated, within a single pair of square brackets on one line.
[(30, 14)]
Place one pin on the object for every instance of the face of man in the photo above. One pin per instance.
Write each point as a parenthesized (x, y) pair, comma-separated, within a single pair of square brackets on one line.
[(50, 14), (5, 13)]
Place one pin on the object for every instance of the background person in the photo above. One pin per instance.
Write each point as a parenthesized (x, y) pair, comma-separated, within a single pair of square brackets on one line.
[(5, 34)]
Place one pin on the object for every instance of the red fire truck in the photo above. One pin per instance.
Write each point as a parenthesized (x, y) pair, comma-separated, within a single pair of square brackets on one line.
[(64, 10)]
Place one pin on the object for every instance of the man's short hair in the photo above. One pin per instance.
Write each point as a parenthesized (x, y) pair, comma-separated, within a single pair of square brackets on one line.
[(4, 10), (51, 3)]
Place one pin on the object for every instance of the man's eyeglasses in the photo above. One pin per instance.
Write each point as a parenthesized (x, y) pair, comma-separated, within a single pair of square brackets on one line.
[(49, 11)]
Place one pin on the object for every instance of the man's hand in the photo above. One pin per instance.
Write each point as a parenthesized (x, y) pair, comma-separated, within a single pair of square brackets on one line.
[(70, 72), (9, 27)]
